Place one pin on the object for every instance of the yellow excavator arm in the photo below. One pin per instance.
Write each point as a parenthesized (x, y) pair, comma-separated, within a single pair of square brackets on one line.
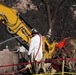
[(16, 25)]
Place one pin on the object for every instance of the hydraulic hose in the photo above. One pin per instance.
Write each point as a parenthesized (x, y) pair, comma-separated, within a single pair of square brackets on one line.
[(9, 40), (7, 24)]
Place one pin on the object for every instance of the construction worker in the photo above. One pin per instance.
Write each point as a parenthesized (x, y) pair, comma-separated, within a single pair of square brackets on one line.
[(35, 48)]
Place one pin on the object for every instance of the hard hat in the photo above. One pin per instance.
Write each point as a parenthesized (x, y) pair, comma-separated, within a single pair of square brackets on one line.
[(34, 31)]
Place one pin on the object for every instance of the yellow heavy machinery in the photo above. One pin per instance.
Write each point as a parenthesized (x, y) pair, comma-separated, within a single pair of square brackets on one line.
[(16, 25)]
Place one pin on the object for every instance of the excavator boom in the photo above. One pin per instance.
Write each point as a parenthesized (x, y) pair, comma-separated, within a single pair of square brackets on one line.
[(16, 25)]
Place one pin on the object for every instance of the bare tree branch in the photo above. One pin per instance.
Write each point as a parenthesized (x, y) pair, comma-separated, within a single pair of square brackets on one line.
[(58, 3), (46, 2)]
